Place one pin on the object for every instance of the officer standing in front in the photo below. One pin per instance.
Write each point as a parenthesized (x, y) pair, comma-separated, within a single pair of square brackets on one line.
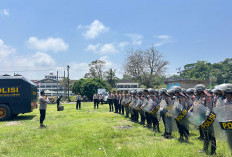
[(42, 108), (96, 100), (78, 105)]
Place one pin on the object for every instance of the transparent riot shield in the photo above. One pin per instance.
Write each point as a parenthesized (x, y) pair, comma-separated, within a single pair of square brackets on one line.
[(223, 125), (198, 114), (138, 104)]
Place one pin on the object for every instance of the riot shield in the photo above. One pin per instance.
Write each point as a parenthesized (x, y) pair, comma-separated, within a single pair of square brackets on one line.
[(198, 114), (223, 125), (138, 104), (154, 108)]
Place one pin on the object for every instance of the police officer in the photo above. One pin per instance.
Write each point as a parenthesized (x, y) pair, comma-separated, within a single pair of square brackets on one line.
[(96, 100), (228, 116), (208, 133), (78, 104), (180, 97), (110, 100), (138, 105), (101, 97), (125, 103), (43, 101), (167, 120), (116, 101), (144, 103), (154, 95), (58, 102), (131, 105), (119, 102)]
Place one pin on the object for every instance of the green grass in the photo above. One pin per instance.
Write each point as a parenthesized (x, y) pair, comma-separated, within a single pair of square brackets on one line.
[(90, 132)]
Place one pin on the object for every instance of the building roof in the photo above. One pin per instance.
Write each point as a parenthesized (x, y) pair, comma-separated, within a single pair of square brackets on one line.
[(126, 81), (184, 80), (48, 80)]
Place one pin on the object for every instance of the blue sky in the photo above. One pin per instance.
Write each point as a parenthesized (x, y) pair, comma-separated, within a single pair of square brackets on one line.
[(41, 36)]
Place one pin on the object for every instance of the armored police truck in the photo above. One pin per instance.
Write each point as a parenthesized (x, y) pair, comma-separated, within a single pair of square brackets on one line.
[(17, 95)]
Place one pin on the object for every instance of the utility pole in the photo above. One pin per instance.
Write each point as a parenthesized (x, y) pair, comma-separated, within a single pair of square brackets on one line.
[(57, 88), (68, 80), (64, 84)]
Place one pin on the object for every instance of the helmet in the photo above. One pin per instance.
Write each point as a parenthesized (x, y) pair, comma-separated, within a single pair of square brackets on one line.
[(199, 88), (151, 90), (163, 90), (132, 92), (190, 90), (209, 91), (171, 91), (145, 90), (177, 89), (228, 88), (140, 92), (183, 91), (157, 90)]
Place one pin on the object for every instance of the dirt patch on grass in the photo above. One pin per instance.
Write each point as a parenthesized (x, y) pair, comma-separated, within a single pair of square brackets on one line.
[(12, 123), (123, 127)]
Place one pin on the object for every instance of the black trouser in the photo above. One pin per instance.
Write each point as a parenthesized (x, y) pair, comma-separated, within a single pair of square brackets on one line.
[(136, 113), (229, 139), (183, 131), (42, 115), (101, 101), (201, 134), (116, 105), (149, 119), (155, 122), (96, 103), (119, 106), (209, 137), (58, 103), (122, 109), (127, 110), (111, 104), (142, 116), (78, 104), (132, 114)]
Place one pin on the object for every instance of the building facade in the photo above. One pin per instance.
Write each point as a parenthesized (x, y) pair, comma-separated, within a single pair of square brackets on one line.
[(123, 85), (184, 83), (51, 87)]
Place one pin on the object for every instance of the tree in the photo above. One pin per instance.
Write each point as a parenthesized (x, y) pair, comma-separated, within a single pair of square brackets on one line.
[(110, 77), (89, 86), (96, 69), (216, 73), (145, 65)]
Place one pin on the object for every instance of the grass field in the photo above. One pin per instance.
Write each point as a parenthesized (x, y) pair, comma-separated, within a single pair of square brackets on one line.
[(90, 132)]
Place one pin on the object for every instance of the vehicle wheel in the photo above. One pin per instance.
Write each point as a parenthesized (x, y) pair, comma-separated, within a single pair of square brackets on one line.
[(5, 112)]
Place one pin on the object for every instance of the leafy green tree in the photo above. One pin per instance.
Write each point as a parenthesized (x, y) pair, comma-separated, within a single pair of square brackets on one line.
[(89, 86), (216, 73), (110, 77)]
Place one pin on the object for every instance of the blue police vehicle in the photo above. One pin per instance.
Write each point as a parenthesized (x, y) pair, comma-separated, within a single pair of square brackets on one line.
[(17, 95)]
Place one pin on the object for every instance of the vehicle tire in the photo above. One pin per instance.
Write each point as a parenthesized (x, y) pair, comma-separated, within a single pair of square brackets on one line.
[(5, 112)]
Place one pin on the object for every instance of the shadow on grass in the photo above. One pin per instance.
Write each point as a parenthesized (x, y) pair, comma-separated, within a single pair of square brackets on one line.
[(23, 117)]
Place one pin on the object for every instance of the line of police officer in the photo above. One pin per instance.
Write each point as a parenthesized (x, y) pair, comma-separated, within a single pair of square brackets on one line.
[(181, 108)]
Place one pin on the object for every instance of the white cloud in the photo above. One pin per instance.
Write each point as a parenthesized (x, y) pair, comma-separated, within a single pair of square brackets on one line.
[(5, 50), (49, 44), (136, 38), (122, 44), (108, 48), (5, 12), (94, 29), (93, 48), (163, 39)]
